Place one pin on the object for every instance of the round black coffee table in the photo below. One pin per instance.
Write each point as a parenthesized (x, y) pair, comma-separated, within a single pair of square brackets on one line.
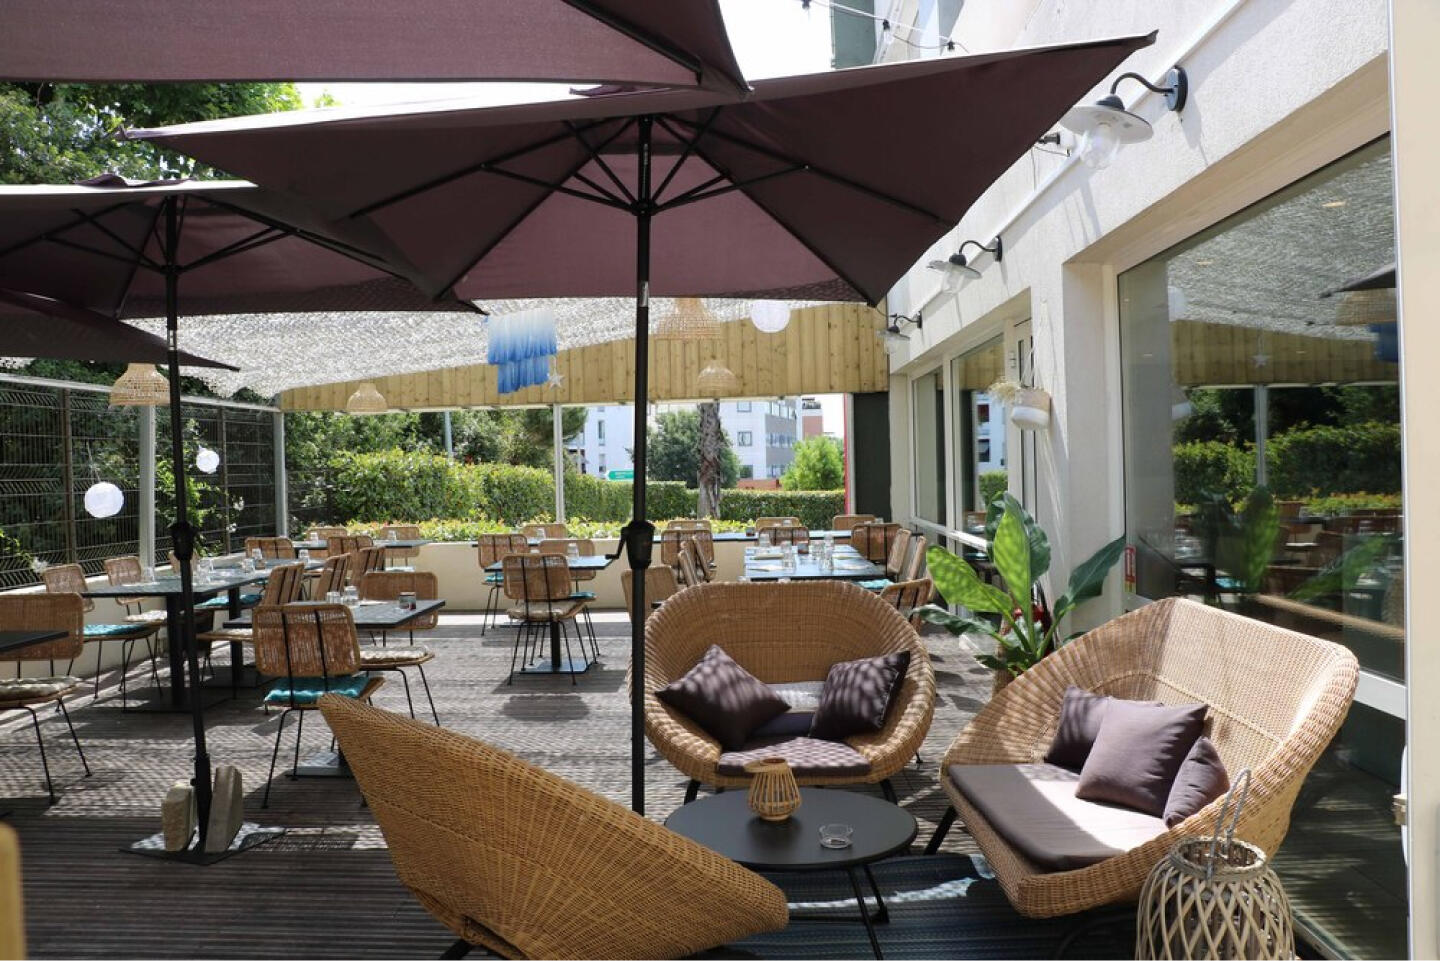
[(725, 824)]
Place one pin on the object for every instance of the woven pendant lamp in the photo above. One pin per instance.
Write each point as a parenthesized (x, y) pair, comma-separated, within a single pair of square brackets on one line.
[(1360, 308), (716, 380), (366, 400), (140, 386), (688, 320)]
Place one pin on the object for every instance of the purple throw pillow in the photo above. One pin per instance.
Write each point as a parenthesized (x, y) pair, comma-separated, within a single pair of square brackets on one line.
[(1080, 715), (723, 698), (857, 696), (1138, 752), (1200, 780)]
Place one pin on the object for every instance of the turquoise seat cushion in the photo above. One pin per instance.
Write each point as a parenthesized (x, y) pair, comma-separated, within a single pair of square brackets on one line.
[(221, 602), (495, 578), (113, 630), (879, 584), (583, 596), (308, 690)]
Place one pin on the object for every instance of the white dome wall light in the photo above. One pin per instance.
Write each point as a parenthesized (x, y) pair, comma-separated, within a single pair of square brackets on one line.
[(957, 269), (1105, 126)]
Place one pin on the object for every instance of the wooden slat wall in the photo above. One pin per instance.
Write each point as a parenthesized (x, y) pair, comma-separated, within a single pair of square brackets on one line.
[(1225, 354), (828, 349)]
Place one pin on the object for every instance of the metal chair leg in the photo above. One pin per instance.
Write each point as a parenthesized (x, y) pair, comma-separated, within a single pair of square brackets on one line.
[(406, 681), (274, 756), (691, 790), (941, 829), (299, 733), (888, 790), (423, 680), (566, 638), (45, 764), (514, 656), (78, 750)]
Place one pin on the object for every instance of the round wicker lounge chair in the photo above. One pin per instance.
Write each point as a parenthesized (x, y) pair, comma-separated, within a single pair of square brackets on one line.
[(783, 633), (528, 865), (1276, 699)]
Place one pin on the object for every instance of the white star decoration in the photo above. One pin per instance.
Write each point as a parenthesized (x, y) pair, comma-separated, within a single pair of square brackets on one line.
[(556, 380)]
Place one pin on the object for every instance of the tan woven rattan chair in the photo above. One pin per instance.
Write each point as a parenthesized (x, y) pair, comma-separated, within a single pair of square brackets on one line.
[(70, 579), (539, 586), (12, 899), (782, 633), (403, 532), (310, 649), (845, 522), (766, 523), (326, 534), (872, 541), (490, 549), (585, 548), (525, 864), (898, 555), (660, 584), (799, 536), (540, 532), (704, 542), (281, 587), (388, 586), (270, 548), (685, 524), (915, 566), (37, 612), (1276, 699), (907, 596), (332, 576), (364, 561), (687, 567), (126, 569)]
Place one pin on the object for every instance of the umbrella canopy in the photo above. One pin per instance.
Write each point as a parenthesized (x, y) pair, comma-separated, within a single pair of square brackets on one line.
[(74, 333), (824, 187), (641, 42), (818, 187)]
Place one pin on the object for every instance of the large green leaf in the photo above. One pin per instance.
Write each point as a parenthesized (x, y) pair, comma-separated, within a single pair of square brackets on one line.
[(1006, 503), (1010, 552), (956, 624), (1261, 520), (958, 584), (1088, 579), (1342, 573)]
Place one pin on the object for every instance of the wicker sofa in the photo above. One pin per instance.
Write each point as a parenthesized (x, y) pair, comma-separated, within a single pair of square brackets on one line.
[(527, 865), (783, 633), (1276, 699)]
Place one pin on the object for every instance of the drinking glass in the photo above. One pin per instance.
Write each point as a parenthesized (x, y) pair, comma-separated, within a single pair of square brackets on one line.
[(304, 555), (392, 535), (572, 552), (247, 566), (332, 597), (259, 558), (764, 540), (351, 597)]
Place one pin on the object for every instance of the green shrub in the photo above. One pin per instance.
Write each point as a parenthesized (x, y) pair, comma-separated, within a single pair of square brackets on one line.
[(993, 483), (515, 495), (1207, 467), (1331, 505), (816, 509), (392, 484), (1326, 460)]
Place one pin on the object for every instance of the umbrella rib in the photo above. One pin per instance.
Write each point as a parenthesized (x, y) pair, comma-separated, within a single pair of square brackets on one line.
[(329, 243), (266, 235), (826, 174), (701, 192), (93, 251), (689, 148), (606, 200), (601, 190), (594, 153)]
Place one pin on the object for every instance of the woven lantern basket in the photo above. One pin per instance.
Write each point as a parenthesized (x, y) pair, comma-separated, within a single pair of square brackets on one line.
[(774, 795), (1215, 897)]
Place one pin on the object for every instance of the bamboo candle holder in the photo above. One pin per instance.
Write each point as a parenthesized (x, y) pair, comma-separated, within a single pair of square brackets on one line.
[(774, 795)]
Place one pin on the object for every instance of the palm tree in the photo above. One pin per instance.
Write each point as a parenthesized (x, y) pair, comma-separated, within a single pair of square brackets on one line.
[(711, 442)]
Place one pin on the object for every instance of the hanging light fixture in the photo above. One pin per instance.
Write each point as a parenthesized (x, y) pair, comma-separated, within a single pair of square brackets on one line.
[(206, 460), (1104, 126), (366, 400), (104, 500), (688, 320), (956, 267), (1361, 308), (717, 379), (140, 386), (770, 316)]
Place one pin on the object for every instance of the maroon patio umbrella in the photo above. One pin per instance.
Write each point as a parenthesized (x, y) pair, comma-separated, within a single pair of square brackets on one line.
[(677, 43), (74, 333), (822, 187), (117, 249)]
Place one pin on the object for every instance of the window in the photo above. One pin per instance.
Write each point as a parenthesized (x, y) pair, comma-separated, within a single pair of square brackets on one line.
[(600, 431), (929, 414), (1262, 446), (979, 426), (602, 471), (747, 471), (743, 438), (742, 406)]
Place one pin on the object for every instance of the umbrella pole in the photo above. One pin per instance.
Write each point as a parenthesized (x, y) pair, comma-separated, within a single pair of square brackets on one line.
[(182, 534), (640, 533)]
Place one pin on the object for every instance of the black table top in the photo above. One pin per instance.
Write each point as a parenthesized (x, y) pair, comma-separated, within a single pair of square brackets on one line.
[(223, 579), (589, 562), (13, 640), (320, 545), (725, 824), (847, 567), (370, 615)]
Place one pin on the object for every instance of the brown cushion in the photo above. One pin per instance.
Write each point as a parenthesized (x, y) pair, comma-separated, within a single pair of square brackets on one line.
[(1200, 780), (857, 695), (723, 698), (1034, 808), (1080, 715), (807, 756), (1138, 752)]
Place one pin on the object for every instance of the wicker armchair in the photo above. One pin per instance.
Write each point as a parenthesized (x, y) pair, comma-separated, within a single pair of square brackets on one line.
[(782, 633), (527, 865), (12, 896), (35, 612), (1276, 699)]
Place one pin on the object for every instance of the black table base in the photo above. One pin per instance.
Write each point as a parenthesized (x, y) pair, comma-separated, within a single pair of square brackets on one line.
[(322, 764)]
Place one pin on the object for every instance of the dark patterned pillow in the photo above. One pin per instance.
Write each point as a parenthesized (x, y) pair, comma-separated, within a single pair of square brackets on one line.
[(723, 698), (858, 694)]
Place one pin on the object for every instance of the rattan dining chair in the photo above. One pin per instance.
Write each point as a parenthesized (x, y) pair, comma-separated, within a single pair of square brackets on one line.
[(34, 612), (281, 587), (126, 569), (540, 532), (333, 576), (899, 553), (12, 896), (689, 524), (539, 587), (872, 541), (660, 584), (585, 548), (915, 567), (388, 586), (364, 561), (310, 650), (766, 523), (907, 597), (799, 536), (271, 548), (70, 579), (490, 549), (326, 534), (524, 864), (845, 522), (403, 532)]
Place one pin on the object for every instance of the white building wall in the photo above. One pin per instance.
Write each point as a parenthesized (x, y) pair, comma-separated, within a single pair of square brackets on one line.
[(762, 420)]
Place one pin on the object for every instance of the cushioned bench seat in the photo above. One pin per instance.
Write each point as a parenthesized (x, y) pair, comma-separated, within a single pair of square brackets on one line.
[(1034, 808), (807, 756)]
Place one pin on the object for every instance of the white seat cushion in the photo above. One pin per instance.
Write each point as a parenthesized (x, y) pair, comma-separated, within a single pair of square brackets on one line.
[(1034, 807), (802, 696), (21, 690)]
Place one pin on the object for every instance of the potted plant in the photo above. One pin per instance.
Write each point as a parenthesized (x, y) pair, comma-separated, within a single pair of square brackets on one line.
[(1029, 406), (1028, 626)]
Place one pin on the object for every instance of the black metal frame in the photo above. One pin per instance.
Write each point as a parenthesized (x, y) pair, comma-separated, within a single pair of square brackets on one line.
[(40, 741), (529, 631)]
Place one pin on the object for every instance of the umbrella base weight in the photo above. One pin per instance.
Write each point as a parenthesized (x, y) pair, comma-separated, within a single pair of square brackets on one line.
[(249, 837), (323, 764), (563, 666)]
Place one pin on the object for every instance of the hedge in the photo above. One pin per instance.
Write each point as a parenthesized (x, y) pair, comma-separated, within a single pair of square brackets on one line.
[(1335, 460), (1204, 468), (816, 509), (993, 482)]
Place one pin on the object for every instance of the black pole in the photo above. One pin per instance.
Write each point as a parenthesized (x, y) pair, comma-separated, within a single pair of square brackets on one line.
[(182, 535), (640, 533)]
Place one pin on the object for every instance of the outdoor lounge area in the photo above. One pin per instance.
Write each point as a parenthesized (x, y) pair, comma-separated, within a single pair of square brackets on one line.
[(732, 478)]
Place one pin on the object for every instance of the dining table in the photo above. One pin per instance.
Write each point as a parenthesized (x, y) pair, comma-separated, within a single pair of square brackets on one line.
[(14, 640), (368, 615), (847, 565), (557, 664)]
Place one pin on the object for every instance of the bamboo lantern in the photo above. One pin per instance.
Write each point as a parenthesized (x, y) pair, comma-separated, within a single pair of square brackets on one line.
[(774, 795), (140, 386)]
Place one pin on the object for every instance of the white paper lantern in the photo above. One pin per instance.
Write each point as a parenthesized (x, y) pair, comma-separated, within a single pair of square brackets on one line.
[(207, 460), (769, 316), (104, 500)]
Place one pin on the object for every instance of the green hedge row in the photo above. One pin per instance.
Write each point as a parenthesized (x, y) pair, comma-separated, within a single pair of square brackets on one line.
[(1304, 462), (816, 509)]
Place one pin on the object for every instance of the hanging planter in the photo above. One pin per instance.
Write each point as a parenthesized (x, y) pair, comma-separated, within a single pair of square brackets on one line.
[(1029, 406)]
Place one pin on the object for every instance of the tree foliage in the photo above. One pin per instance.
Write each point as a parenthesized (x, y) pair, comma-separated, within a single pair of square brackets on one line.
[(674, 450), (819, 465)]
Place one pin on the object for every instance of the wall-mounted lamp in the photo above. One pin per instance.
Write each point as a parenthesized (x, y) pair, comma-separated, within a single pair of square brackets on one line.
[(1105, 125), (892, 335), (956, 267)]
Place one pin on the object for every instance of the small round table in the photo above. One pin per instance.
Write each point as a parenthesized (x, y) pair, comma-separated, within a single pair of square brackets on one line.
[(725, 824)]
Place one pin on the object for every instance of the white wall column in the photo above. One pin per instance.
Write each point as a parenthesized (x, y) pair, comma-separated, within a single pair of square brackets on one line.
[(558, 430), (1415, 33), (146, 507), (282, 482)]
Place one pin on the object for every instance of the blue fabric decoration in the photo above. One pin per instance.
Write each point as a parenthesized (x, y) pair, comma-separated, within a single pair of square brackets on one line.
[(521, 346), (308, 690)]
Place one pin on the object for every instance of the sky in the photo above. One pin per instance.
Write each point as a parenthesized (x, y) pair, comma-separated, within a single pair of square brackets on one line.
[(771, 38)]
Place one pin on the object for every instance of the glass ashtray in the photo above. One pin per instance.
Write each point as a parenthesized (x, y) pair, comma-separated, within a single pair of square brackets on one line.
[(836, 835)]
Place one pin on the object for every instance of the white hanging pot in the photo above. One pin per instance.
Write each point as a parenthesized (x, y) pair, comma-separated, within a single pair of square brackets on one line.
[(1031, 409)]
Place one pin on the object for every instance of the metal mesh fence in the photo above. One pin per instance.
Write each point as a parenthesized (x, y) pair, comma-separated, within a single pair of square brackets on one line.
[(57, 440)]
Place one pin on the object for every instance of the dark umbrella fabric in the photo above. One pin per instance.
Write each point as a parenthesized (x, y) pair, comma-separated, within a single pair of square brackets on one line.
[(59, 330), (676, 43), (823, 187), (122, 250)]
